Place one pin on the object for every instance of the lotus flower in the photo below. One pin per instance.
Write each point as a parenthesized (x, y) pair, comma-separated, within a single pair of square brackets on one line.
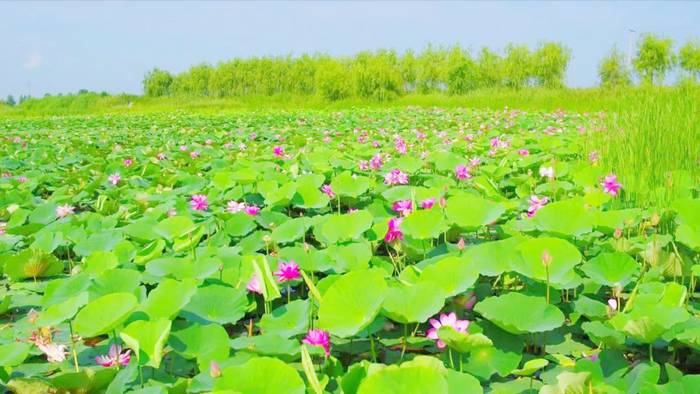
[(183, 148), (252, 210), (278, 151), (547, 172), (523, 152), (318, 338), (449, 320), (64, 210), (3, 228), (287, 271), (114, 357), (403, 207), (535, 204), (427, 203), (128, 162), (114, 178), (400, 145), (55, 353), (199, 202), (328, 190), (376, 161), (194, 154), (396, 177), (254, 285), (160, 156), (234, 206), (611, 186), (612, 303), (394, 232), (462, 172), (363, 165)]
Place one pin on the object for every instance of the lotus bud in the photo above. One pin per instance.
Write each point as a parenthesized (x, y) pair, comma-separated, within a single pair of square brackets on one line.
[(612, 303), (618, 233), (546, 258), (214, 369), (460, 243)]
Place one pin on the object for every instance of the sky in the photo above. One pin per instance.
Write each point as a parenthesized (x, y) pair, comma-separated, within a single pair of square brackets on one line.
[(58, 47)]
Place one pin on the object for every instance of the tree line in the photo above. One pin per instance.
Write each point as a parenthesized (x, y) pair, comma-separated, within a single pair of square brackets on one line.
[(654, 59), (378, 75)]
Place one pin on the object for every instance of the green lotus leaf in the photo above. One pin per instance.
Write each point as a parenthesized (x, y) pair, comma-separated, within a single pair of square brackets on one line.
[(216, 304), (352, 302), (520, 314), (147, 339), (471, 211), (453, 275), (104, 314), (262, 375), (413, 303), (611, 269), (564, 257)]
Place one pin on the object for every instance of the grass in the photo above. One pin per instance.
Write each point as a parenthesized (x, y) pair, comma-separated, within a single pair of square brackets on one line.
[(650, 139)]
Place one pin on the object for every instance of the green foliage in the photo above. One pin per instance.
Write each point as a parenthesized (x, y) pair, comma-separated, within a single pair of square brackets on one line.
[(157, 83), (612, 70), (550, 62), (654, 59), (689, 58)]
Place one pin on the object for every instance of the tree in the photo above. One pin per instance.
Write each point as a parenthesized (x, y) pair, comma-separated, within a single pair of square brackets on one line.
[(518, 66), (10, 100), (550, 62), (689, 58), (654, 58), (157, 83), (490, 69), (612, 70)]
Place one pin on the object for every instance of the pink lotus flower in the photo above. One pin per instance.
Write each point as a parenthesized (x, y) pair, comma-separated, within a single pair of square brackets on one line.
[(523, 152), (396, 177), (254, 285), (593, 157), (3, 228), (234, 206), (318, 338), (376, 161), (208, 141), (194, 154), (376, 144), (363, 165), (128, 162), (114, 178), (403, 207), (611, 186), (460, 243), (64, 210), (394, 233), (160, 156), (474, 161), (115, 357), (252, 210), (427, 203), (22, 179), (449, 320), (183, 148), (612, 303), (214, 369), (199, 202), (287, 271), (278, 151), (328, 190), (462, 172), (400, 145), (55, 353), (535, 204), (471, 301), (242, 146), (547, 172)]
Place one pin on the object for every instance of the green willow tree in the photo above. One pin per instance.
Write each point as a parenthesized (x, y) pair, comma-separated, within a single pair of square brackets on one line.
[(689, 59), (612, 70), (654, 59)]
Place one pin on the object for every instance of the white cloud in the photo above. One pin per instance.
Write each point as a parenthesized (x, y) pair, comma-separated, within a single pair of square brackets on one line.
[(33, 61)]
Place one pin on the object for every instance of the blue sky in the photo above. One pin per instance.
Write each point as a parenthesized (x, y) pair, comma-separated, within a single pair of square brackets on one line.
[(65, 46)]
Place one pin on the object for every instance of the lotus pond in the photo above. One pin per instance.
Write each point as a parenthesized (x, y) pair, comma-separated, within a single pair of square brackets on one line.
[(362, 251)]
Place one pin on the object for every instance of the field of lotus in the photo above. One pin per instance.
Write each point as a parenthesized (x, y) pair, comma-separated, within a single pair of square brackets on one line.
[(366, 251)]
